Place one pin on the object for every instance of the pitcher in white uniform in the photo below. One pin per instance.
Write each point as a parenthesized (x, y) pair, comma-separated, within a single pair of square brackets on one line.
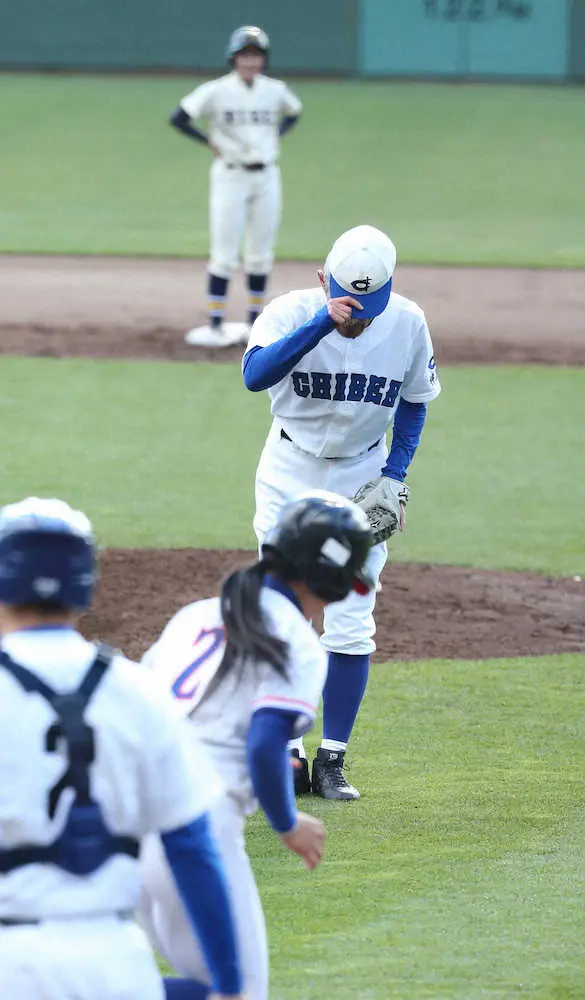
[(93, 757), (248, 113), (247, 669), (342, 362)]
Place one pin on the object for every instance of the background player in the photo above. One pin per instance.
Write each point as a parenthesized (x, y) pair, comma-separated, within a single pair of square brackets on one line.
[(93, 756), (341, 362), (248, 670), (248, 113)]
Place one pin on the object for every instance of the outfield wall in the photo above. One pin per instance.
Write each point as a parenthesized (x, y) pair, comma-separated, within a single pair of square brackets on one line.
[(506, 39), (307, 36), (467, 38), (577, 41)]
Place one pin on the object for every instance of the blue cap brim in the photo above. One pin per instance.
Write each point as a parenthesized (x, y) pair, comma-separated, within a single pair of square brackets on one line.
[(373, 303)]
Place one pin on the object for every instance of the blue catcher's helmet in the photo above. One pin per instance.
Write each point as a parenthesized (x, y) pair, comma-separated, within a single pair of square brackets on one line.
[(323, 540), (247, 37), (47, 555)]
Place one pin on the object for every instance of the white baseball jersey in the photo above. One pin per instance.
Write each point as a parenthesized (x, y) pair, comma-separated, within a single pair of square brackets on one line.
[(144, 777), (187, 656), (243, 119), (341, 397)]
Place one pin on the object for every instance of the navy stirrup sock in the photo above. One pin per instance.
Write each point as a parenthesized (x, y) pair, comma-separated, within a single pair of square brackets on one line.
[(256, 295), (347, 677), (217, 289)]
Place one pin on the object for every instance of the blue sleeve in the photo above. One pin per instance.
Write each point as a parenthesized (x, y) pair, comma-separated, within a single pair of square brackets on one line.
[(270, 766), (181, 121), (263, 367), (408, 424), (198, 872), (287, 123)]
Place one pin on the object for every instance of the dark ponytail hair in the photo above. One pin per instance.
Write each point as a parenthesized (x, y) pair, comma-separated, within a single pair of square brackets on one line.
[(246, 630)]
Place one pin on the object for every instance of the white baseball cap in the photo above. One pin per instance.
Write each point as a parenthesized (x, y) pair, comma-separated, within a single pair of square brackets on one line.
[(361, 264)]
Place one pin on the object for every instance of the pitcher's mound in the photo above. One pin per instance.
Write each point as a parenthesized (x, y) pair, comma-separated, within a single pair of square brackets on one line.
[(422, 612)]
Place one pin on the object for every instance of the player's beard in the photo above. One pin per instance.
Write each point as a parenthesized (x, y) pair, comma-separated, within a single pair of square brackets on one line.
[(353, 328)]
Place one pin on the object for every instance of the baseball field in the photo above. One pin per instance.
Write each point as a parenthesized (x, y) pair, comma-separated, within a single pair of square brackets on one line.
[(459, 874)]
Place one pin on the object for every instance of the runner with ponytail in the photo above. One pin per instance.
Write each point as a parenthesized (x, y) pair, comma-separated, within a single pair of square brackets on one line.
[(248, 669)]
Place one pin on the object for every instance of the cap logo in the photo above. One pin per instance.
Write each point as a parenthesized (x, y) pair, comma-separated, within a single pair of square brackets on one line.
[(362, 284)]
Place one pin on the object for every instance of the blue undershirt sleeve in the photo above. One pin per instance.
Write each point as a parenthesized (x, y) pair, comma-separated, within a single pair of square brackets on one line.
[(270, 766), (181, 121), (408, 424), (287, 123), (263, 367), (199, 875)]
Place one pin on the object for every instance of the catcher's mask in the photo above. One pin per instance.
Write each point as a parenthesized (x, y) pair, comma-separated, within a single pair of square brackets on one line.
[(247, 37), (323, 540)]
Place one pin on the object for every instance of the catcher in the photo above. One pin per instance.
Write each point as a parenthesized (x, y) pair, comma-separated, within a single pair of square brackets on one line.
[(342, 362)]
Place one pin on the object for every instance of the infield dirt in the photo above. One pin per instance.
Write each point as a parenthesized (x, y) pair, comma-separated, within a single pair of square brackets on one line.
[(125, 308)]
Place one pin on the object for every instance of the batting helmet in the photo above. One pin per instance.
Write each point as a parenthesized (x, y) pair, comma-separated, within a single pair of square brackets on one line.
[(247, 37), (47, 555), (323, 540)]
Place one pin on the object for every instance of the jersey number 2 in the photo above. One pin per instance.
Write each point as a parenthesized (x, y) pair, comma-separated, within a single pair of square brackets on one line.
[(213, 638)]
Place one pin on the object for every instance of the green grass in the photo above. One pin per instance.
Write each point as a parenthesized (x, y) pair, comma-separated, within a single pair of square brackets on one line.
[(456, 173), (459, 874), (157, 453), (164, 454), (499, 479)]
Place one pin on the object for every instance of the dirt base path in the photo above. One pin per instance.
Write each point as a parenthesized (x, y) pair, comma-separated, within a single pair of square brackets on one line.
[(125, 308), (119, 307)]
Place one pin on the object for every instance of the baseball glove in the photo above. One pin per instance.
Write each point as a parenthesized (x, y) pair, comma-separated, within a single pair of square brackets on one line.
[(380, 499)]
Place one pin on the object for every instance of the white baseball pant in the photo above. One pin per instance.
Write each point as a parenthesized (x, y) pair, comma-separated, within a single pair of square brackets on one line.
[(244, 208), (99, 958), (164, 917), (284, 473)]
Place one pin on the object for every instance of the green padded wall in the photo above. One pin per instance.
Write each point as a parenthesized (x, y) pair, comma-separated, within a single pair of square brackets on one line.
[(307, 37), (454, 38), (577, 41), (462, 38)]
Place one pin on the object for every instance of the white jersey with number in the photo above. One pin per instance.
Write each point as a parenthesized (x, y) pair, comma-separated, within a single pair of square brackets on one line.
[(144, 776), (341, 397), (243, 119), (187, 656)]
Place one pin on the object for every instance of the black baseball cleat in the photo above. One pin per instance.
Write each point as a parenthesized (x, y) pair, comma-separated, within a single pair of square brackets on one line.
[(328, 777), (302, 776)]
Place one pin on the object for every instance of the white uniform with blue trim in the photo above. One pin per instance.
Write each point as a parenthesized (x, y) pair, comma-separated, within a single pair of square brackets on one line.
[(186, 658), (84, 947), (336, 407)]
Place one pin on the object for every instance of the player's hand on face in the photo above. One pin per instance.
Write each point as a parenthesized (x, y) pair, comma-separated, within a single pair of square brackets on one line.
[(340, 309), (307, 839)]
